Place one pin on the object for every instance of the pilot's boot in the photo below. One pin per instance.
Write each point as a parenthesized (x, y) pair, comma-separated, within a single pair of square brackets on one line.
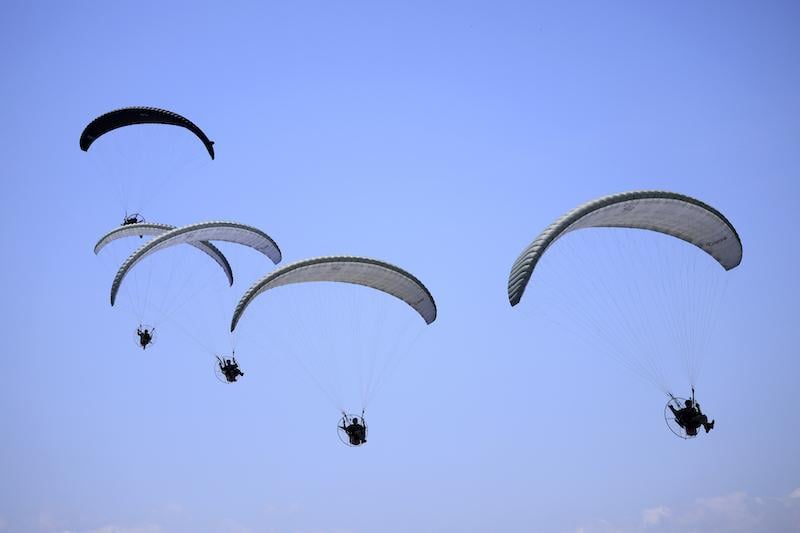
[(709, 426)]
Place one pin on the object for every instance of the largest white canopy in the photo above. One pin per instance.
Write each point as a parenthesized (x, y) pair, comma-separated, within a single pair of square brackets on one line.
[(670, 213), (346, 269), (204, 231), (151, 228)]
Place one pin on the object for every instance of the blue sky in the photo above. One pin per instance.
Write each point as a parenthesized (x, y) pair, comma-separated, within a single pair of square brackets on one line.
[(441, 138)]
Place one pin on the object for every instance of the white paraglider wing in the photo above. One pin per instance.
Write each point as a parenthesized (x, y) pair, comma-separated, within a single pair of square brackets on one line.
[(150, 229), (204, 231), (670, 213), (372, 273)]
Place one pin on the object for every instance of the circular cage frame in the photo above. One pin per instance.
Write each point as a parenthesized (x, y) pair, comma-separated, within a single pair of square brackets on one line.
[(344, 421), (218, 372), (153, 336), (672, 423)]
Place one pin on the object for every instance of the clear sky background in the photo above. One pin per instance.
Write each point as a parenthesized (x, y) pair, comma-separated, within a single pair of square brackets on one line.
[(440, 136)]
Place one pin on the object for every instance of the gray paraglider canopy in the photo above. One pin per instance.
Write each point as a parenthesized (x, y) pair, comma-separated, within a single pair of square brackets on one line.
[(204, 231), (357, 270), (670, 213), (150, 228)]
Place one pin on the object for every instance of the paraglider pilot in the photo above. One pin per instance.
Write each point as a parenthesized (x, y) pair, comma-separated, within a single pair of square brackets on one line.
[(145, 336), (690, 417), (134, 218), (230, 369), (356, 432)]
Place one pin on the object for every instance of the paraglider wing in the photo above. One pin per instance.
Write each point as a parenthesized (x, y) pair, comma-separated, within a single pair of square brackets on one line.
[(204, 231), (130, 116), (670, 213), (357, 270), (149, 228)]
